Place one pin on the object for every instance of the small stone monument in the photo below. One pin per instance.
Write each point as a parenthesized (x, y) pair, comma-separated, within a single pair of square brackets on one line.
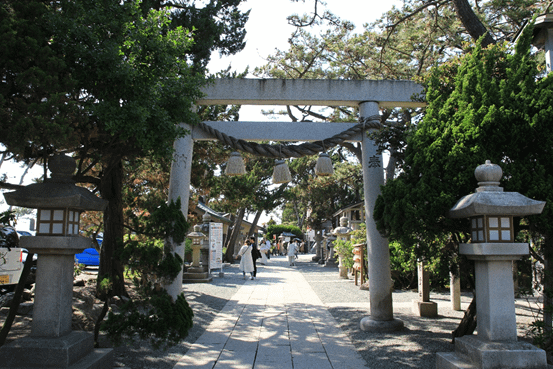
[(318, 248), (455, 291), (330, 261), (491, 212), (52, 343), (423, 306)]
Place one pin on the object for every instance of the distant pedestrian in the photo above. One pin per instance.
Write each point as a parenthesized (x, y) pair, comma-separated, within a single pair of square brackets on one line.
[(265, 248), (246, 260), (292, 248), (256, 254)]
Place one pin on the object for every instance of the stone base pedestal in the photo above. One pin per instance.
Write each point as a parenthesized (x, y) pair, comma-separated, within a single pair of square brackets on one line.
[(196, 275), (74, 351), (426, 309), (331, 263), (199, 277), (343, 272), (371, 325), (474, 352), (193, 269)]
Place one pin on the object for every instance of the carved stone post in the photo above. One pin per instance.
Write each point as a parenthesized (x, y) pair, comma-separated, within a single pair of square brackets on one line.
[(381, 317), (179, 187)]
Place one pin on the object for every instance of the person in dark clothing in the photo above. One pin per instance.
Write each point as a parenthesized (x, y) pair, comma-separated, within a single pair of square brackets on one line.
[(256, 254)]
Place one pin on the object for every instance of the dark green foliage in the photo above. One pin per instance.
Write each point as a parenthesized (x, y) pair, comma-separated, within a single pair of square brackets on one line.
[(7, 217), (492, 104), (156, 318), (150, 266), (167, 220), (36, 111), (486, 112), (218, 25), (277, 229)]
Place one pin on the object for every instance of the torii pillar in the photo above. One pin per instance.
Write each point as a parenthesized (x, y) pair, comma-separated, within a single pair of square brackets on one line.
[(179, 187), (378, 251)]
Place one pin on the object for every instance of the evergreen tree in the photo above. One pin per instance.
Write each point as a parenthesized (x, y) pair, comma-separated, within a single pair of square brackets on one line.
[(487, 105)]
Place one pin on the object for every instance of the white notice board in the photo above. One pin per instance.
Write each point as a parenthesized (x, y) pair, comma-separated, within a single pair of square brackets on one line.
[(215, 245)]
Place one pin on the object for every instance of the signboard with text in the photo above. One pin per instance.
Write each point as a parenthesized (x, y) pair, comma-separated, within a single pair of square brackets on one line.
[(215, 245)]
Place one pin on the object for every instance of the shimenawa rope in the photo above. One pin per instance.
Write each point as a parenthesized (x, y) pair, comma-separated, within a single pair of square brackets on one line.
[(293, 151)]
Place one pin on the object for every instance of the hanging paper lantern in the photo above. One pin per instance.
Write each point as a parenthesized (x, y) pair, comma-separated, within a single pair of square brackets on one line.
[(235, 165), (281, 173), (324, 165)]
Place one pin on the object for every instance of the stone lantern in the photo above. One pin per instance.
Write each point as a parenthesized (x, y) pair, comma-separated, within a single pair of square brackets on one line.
[(196, 273), (204, 250), (493, 250), (330, 260), (342, 233), (59, 204), (197, 238)]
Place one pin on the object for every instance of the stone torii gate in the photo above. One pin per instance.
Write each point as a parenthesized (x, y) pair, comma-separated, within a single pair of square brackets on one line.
[(368, 95)]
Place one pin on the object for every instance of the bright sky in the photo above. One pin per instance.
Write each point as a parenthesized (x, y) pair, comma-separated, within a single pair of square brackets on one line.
[(267, 31)]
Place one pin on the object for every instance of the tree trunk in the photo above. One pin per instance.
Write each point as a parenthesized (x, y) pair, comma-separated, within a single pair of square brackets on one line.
[(547, 284), (299, 218), (254, 223), (231, 244), (110, 266), (472, 23), (468, 323), (390, 169)]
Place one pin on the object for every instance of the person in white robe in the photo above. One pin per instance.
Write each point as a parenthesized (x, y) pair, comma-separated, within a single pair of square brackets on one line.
[(265, 247), (292, 248), (246, 260)]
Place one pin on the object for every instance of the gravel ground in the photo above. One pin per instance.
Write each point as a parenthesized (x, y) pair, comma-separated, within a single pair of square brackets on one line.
[(414, 347)]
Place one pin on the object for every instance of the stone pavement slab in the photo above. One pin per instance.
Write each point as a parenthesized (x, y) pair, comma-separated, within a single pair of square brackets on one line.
[(274, 322)]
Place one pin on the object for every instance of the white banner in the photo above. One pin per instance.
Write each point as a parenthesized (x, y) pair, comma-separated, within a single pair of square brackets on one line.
[(215, 245)]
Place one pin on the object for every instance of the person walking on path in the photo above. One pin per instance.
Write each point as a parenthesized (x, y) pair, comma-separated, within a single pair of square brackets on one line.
[(265, 252), (292, 247), (256, 254), (246, 260)]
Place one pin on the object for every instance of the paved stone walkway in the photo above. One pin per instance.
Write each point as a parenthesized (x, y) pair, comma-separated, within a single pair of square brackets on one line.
[(276, 321)]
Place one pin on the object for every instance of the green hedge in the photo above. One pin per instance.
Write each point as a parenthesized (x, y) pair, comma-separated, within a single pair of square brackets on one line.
[(277, 229)]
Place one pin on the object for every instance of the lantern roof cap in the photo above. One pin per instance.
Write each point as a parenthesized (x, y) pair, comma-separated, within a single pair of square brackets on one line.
[(490, 199), (343, 229), (196, 233), (58, 191)]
